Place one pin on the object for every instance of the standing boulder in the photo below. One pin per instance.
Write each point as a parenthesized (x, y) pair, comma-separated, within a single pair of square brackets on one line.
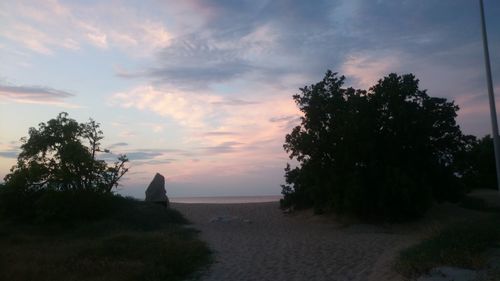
[(156, 190)]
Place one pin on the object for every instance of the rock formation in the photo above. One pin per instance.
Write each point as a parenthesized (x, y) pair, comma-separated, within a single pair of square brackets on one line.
[(156, 190)]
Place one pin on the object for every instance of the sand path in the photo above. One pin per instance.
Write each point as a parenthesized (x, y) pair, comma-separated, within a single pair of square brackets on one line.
[(274, 246)]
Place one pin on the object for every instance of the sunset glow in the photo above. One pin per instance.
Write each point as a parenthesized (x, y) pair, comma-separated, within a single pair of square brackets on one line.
[(201, 91)]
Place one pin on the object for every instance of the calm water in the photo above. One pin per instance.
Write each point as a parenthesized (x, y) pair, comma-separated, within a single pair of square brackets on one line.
[(227, 199)]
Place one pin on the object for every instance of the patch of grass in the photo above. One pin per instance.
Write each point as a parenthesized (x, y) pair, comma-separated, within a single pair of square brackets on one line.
[(132, 240), (478, 204), (473, 203), (462, 245)]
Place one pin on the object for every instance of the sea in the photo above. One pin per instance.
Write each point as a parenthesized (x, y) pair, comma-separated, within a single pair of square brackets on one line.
[(227, 199)]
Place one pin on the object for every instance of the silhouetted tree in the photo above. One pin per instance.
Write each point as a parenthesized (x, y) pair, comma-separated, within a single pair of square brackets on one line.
[(477, 165), (61, 155), (385, 152)]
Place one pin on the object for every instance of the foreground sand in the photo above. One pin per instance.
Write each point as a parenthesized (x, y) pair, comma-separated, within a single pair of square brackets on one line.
[(256, 241)]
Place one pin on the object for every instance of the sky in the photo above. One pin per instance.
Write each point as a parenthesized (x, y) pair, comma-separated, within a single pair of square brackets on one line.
[(201, 91)]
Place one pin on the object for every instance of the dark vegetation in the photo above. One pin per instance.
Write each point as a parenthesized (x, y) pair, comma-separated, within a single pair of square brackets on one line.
[(386, 153), (477, 165), (463, 244), (62, 155), (122, 239), (60, 220)]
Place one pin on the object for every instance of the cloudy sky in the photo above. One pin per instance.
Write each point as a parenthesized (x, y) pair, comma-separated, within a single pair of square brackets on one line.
[(200, 91)]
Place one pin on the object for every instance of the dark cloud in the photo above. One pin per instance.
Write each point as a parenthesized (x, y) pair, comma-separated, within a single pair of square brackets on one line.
[(286, 118), (143, 156), (225, 147), (139, 155), (9, 154), (418, 24), (442, 33), (118, 144), (287, 122), (154, 162), (12, 150), (36, 94), (311, 37), (146, 154), (267, 42), (235, 102), (192, 61), (220, 134), (224, 49)]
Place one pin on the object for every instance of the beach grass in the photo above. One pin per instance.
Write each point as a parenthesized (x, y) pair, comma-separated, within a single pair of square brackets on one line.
[(463, 244), (143, 241)]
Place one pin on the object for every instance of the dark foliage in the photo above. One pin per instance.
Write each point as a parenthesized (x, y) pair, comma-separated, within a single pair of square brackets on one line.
[(388, 152), (463, 244), (57, 210), (61, 155), (86, 235), (72, 207), (477, 164)]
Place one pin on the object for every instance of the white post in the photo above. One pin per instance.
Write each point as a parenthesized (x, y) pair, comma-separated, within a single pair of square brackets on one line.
[(491, 95)]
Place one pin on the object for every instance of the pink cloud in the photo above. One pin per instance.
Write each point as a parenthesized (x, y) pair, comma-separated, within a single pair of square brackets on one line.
[(367, 69), (44, 26), (244, 137)]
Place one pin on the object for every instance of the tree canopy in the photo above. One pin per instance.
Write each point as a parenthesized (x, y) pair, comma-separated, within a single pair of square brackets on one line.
[(388, 151), (62, 155)]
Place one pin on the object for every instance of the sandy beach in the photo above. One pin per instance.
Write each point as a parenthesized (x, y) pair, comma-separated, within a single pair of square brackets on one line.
[(256, 241)]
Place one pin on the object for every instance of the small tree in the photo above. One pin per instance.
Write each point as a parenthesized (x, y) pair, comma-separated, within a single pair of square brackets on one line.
[(61, 155), (386, 152)]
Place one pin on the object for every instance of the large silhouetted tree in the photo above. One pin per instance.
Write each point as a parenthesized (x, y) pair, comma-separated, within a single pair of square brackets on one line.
[(387, 152), (62, 155)]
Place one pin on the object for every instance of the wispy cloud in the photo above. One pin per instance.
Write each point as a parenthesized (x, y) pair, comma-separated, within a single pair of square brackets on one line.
[(31, 38), (116, 145), (286, 118), (195, 62), (10, 149), (234, 101), (219, 133), (213, 80), (233, 131), (186, 108), (365, 69), (142, 155), (225, 147), (46, 26), (9, 154), (35, 94)]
